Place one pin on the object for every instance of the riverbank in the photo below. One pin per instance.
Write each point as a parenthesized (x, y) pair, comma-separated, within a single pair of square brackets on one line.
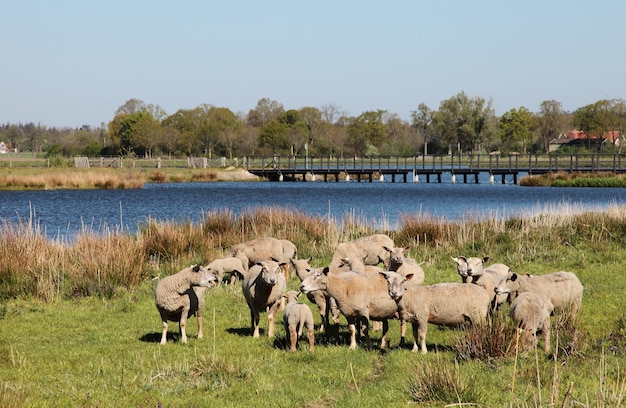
[(574, 179), (111, 178), (84, 313)]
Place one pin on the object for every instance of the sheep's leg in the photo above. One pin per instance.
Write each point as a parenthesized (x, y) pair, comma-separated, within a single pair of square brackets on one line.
[(545, 332), (352, 328), (383, 340), (311, 336), (270, 321), (293, 339), (419, 331), (200, 322), (254, 323), (365, 325), (402, 331), (164, 335)]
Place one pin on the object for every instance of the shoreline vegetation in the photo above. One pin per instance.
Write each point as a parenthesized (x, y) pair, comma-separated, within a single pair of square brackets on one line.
[(108, 178), (84, 312)]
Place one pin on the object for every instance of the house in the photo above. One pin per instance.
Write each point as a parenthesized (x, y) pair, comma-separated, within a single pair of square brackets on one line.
[(580, 138)]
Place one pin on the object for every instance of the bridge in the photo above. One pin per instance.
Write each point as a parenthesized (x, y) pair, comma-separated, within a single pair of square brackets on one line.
[(431, 168)]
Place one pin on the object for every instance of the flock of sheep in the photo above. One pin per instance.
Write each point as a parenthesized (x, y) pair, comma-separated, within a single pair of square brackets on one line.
[(355, 286)]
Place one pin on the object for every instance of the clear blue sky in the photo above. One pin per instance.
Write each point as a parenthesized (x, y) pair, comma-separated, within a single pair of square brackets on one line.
[(72, 62)]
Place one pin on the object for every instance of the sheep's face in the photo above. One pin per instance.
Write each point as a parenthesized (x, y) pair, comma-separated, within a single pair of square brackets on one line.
[(316, 280), (270, 271), (466, 267), (396, 255), (510, 285), (206, 278), (302, 267), (395, 285)]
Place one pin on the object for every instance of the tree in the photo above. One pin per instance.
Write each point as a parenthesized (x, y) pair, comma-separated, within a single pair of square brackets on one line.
[(599, 118), (367, 129), (516, 128), (273, 137), (551, 122), (400, 137), (145, 135), (266, 111), (121, 129), (422, 121), (297, 130), (225, 124), (464, 121), (131, 107)]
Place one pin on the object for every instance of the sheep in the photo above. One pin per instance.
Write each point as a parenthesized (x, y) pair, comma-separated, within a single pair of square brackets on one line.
[(230, 265), (531, 313), (320, 298), (562, 289), (290, 252), (263, 287), (181, 295), (258, 250), (297, 315), (443, 304), (472, 270), (359, 298), (370, 248), (405, 265)]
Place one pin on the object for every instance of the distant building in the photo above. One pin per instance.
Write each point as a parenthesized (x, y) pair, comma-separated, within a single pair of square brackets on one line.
[(580, 138)]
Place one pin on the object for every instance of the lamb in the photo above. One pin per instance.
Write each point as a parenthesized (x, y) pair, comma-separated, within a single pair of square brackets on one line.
[(562, 289), (297, 316), (263, 288), (443, 304), (472, 270), (233, 266), (181, 295), (320, 298), (359, 298), (531, 313), (370, 248)]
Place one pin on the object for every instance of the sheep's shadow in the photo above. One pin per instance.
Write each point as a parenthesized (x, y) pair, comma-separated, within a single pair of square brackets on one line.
[(243, 331), (155, 337)]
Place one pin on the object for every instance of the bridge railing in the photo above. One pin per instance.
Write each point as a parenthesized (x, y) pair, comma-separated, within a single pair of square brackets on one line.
[(479, 162)]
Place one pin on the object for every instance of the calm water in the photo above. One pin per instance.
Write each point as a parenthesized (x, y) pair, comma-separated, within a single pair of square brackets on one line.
[(61, 214)]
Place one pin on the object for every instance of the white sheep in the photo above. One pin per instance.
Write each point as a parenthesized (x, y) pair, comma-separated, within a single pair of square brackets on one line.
[(472, 270), (181, 295), (297, 316), (263, 287), (230, 265), (562, 289), (443, 304), (404, 265), (290, 252), (360, 299), (531, 313), (258, 250), (320, 298), (370, 248)]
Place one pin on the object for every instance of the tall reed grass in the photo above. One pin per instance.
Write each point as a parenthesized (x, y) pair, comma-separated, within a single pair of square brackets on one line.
[(34, 265)]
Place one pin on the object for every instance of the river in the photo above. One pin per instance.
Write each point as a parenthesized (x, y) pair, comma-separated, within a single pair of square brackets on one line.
[(63, 213)]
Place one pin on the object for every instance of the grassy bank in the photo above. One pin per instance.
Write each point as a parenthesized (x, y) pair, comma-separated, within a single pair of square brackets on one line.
[(111, 178), (575, 179), (78, 326)]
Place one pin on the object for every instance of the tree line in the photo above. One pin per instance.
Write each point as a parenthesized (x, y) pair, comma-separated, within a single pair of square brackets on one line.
[(461, 123)]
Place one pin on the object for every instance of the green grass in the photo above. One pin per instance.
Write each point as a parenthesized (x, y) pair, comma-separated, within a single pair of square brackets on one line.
[(61, 347)]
